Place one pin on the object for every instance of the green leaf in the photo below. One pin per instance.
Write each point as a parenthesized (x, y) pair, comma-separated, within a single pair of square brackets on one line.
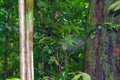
[(41, 4), (46, 78), (64, 74), (117, 59), (76, 77), (13, 79), (85, 76), (115, 6)]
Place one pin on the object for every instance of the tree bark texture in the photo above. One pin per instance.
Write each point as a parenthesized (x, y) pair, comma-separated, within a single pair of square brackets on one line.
[(117, 54), (100, 56), (90, 22), (26, 39), (94, 61), (97, 48), (108, 57), (117, 51)]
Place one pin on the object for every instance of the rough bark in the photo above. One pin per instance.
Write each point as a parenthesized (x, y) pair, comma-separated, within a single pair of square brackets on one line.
[(100, 60), (117, 51), (109, 39), (97, 48), (95, 53), (117, 55), (108, 58), (90, 22)]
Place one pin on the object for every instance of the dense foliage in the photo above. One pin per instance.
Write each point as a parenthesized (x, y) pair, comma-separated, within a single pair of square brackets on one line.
[(60, 33), (59, 36)]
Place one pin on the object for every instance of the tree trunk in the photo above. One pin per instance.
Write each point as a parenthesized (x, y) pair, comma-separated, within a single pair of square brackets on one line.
[(29, 38), (26, 39), (90, 23), (117, 55), (22, 40), (94, 60), (96, 67), (99, 61)]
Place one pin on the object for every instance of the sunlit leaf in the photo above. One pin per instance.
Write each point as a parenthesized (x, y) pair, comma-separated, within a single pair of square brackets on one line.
[(13, 79), (76, 77), (86, 76), (114, 6), (46, 78)]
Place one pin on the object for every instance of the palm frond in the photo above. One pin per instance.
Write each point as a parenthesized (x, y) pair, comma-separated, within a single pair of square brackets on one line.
[(114, 9)]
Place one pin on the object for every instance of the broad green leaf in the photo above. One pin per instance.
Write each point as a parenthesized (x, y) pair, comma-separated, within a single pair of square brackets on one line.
[(13, 79), (86, 76), (117, 7), (46, 78), (114, 5), (76, 77)]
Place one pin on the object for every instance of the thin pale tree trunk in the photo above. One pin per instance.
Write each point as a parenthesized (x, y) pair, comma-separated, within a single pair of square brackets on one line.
[(26, 39), (29, 38), (22, 40)]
